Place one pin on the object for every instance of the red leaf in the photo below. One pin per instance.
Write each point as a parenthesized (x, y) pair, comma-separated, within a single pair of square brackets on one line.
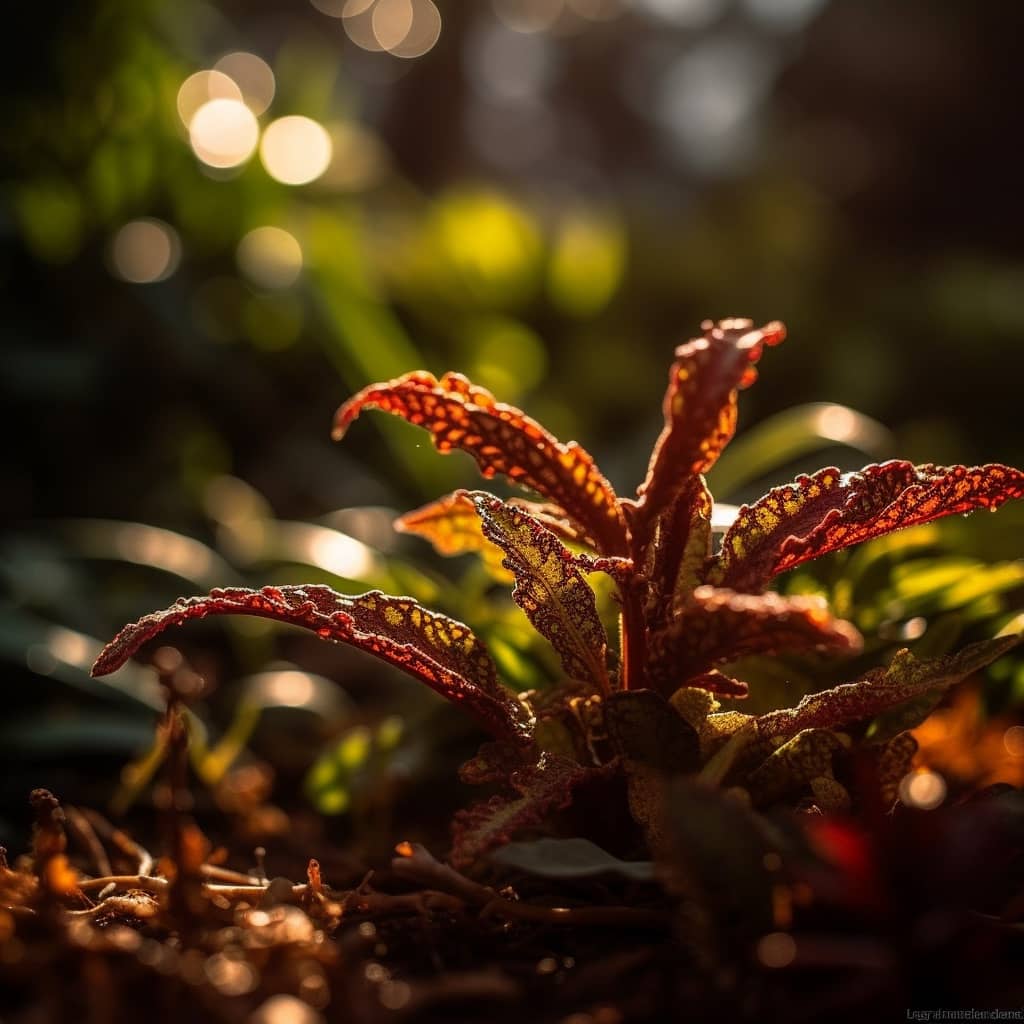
[(700, 406), (540, 790), (720, 625), (676, 557), (502, 440), (828, 511), (549, 588), (904, 679), (439, 651)]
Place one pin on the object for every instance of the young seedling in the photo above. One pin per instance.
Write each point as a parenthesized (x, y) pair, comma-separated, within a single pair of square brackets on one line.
[(649, 708)]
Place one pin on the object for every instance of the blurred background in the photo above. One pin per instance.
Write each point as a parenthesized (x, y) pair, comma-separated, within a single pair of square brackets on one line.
[(220, 219)]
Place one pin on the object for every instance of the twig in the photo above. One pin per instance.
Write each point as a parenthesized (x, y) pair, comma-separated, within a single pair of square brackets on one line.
[(148, 883), (124, 842), (79, 825), (415, 863)]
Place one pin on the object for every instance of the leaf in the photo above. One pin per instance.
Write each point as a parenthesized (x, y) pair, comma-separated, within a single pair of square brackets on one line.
[(570, 858), (905, 678), (655, 744), (892, 763), (439, 651), (808, 755), (828, 511), (677, 552), (645, 729), (715, 863), (720, 625), (502, 440), (452, 526), (549, 588), (700, 407), (539, 790)]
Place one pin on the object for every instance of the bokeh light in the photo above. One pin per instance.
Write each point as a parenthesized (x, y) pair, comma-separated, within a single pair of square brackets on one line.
[(224, 133), (358, 157), (252, 75), (145, 251), (923, 789), (403, 28), (332, 8), (200, 88), (270, 257), (295, 150), (1013, 740), (776, 950)]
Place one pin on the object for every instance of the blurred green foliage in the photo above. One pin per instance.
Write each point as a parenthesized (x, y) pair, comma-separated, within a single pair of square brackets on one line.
[(551, 238)]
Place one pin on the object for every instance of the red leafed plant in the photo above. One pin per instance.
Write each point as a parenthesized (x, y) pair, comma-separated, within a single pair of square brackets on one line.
[(649, 708)]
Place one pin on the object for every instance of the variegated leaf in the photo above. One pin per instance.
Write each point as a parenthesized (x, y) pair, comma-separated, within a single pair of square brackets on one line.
[(438, 650), (539, 791), (501, 439), (452, 526), (829, 510), (904, 679), (700, 407), (549, 588), (806, 756), (720, 625)]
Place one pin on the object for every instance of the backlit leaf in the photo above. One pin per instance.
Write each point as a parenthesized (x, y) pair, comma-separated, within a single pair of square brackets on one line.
[(539, 790), (904, 679), (549, 588), (829, 510), (720, 625), (502, 440), (676, 554), (700, 406), (439, 651), (452, 526)]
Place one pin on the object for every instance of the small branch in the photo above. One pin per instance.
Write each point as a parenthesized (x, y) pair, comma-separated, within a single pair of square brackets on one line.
[(81, 828), (124, 842)]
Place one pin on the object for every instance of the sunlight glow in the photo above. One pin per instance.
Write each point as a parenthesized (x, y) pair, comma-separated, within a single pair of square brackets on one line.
[(145, 251), (295, 150), (224, 133)]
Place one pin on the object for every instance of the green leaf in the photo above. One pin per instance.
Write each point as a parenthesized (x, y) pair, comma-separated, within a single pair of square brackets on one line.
[(570, 858)]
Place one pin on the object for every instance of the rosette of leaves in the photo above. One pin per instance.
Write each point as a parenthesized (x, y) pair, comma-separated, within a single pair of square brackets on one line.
[(647, 705)]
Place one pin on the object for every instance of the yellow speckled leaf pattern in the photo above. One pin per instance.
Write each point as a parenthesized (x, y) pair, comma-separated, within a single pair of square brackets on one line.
[(438, 650), (829, 510), (905, 678), (806, 756), (549, 588), (501, 439), (539, 789)]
